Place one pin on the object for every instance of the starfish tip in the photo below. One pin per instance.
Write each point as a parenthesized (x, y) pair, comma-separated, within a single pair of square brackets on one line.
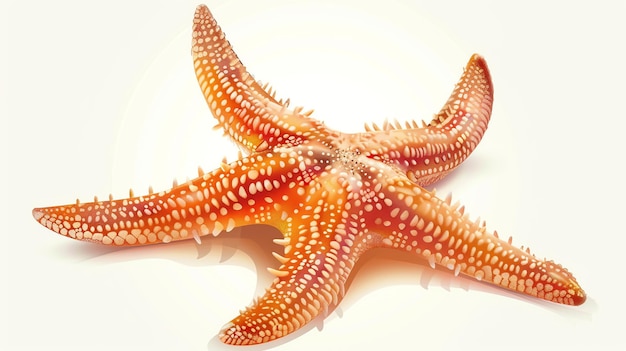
[(37, 213)]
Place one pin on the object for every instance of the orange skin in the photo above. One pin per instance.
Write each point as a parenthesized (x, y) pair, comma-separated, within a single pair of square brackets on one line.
[(333, 196)]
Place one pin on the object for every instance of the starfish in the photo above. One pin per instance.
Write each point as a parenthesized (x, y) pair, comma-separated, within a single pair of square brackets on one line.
[(332, 195)]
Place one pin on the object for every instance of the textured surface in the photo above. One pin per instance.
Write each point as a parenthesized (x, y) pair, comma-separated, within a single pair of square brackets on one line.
[(332, 195), (165, 297)]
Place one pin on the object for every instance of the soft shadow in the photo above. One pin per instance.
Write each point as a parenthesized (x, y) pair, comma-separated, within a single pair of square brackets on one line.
[(250, 247), (377, 269), (381, 268)]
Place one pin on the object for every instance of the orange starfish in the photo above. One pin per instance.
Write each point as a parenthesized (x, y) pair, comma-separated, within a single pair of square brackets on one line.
[(333, 196)]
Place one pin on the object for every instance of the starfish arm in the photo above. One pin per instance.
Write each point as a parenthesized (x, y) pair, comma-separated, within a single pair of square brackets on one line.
[(428, 154), (255, 189), (417, 221), (316, 264), (249, 115)]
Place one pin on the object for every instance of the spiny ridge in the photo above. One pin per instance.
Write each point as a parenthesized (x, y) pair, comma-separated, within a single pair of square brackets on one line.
[(390, 126)]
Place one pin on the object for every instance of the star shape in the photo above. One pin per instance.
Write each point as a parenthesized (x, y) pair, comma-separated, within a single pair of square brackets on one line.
[(332, 195)]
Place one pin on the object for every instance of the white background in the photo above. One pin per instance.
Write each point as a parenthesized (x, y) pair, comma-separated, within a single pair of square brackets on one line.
[(99, 96)]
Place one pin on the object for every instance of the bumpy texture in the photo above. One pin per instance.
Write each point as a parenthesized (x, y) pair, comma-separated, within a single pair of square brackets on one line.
[(332, 195)]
